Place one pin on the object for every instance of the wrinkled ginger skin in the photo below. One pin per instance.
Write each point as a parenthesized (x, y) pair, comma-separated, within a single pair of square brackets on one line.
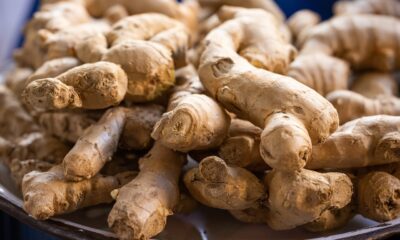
[(332, 219), (53, 68), (242, 146), (95, 147), (380, 7), (351, 105), (19, 168), (301, 197), (301, 22), (47, 194), (18, 121), (375, 84), (139, 214), (140, 121), (309, 118), (365, 41), (217, 185), (193, 120), (90, 86), (379, 196), (316, 72), (68, 126), (362, 142)]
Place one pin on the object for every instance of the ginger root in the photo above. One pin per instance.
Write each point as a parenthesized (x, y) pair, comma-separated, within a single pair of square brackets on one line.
[(300, 23), (292, 115), (301, 197), (95, 147), (19, 168), (375, 84), (53, 68), (378, 196), (351, 105), (193, 121), (242, 146), (47, 194), (18, 121), (362, 142), (381, 7), (215, 184), (316, 72), (16, 79), (365, 41), (142, 206), (90, 86)]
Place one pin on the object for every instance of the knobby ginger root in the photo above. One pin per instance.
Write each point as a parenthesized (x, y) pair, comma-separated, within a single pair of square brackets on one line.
[(140, 121), (351, 105), (53, 68), (316, 72), (142, 206), (301, 22), (68, 126), (292, 115), (332, 219), (365, 41), (52, 17), (90, 86), (255, 214), (95, 147), (381, 7), (267, 5), (362, 142), (301, 197), (47, 194), (16, 79), (215, 184), (15, 121), (20, 168), (158, 41), (193, 121), (38, 146), (375, 84), (379, 196), (242, 146)]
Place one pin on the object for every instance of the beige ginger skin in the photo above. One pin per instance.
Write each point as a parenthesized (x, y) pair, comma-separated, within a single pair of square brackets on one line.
[(365, 41), (139, 214), (47, 194), (380, 7), (374, 94), (217, 185), (193, 121), (301, 197), (378, 196), (89, 86), (53, 68), (316, 72), (292, 115), (359, 143), (301, 22)]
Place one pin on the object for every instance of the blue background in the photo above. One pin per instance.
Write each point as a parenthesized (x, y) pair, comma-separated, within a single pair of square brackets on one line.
[(11, 229)]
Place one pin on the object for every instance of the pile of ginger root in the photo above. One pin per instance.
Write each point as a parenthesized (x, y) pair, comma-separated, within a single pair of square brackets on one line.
[(157, 107)]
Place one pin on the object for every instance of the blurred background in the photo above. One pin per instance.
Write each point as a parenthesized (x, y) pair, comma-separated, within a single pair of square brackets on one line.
[(14, 14)]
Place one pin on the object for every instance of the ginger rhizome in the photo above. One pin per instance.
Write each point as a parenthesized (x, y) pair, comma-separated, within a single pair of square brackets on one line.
[(381, 7), (365, 41), (217, 185), (90, 86), (142, 206), (378, 196), (301, 197), (359, 143), (292, 115), (374, 94), (300, 23), (316, 72), (95, 147), (193, 120), (47, 194), (242, 146)]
